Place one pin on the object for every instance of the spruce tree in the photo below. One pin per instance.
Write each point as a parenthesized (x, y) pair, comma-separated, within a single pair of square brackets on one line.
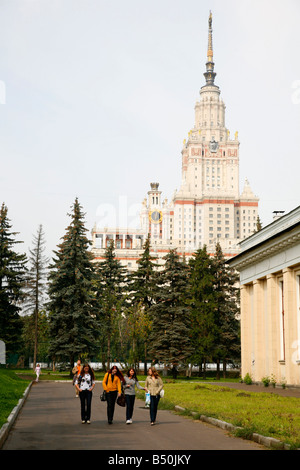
[(143, 279), (12, 282), (227, 345), (73, 324), (110, 291), (142, 287), (203, 303), (169, 340)]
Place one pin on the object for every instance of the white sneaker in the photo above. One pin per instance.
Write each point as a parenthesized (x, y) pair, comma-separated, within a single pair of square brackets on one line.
[(128, 421)]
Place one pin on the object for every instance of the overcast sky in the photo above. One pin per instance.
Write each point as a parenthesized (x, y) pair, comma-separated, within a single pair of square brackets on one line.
[(97, 96)]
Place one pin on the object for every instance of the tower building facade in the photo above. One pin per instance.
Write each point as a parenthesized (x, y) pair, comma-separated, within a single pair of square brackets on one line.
[(208, 207)]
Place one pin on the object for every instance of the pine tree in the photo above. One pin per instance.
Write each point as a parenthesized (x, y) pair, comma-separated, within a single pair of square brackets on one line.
[(169, 338), (110, 291), (227, 346), (73, 324), (36, 284), (203, 307), (12, 281)]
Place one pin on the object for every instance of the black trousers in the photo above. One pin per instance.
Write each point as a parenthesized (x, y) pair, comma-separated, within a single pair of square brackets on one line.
[(129, 406), (86, 402), (154, 400), (111, 402)]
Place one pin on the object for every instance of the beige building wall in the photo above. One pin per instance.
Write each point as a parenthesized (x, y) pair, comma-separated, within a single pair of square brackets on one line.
[(269, 269)]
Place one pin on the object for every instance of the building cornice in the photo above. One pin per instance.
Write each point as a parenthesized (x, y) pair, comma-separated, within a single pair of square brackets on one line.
[(268, 248)]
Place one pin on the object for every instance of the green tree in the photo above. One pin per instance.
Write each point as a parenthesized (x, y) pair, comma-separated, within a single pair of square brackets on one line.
[(12, 281), (169, 338), (227, 341), (73, 323), (28, 336), (203, 303), (36, 284), (110, 291), (142, 288)]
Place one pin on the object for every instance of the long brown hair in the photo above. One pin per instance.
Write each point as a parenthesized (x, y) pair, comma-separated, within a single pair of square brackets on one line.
[(154, 372)]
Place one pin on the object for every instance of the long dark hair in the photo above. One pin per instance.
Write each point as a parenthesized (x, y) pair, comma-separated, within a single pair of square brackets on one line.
[(118, 373), (90, 371), (134, 373)]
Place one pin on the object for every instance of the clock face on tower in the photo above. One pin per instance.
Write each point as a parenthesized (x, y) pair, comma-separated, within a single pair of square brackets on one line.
[(155, 217)]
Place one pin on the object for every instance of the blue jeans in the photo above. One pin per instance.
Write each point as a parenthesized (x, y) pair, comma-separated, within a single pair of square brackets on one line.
[(154, 400), (85, 401)]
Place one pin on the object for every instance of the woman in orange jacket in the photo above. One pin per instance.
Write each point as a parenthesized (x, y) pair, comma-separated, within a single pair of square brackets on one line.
[(112, 385)]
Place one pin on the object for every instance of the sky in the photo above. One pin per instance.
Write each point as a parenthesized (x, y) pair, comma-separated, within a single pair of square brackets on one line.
[(96, 98)]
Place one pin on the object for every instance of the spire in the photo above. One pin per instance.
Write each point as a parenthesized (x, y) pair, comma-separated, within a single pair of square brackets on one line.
[(210, 74)]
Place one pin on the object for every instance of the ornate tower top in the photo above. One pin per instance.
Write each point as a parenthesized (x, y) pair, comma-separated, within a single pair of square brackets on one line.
[(210, 74)]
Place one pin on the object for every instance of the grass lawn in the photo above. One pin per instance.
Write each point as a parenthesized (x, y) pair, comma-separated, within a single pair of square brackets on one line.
[(12, 389), (267, 414)]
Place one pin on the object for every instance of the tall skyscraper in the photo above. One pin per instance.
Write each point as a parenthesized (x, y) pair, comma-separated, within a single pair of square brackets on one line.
[(208, 208)]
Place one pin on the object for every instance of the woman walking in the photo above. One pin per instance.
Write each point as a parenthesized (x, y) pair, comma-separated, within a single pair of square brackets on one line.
[(131, 382), (76, 371), (85, 384), (153, 385), (37, 371), (112, 385)]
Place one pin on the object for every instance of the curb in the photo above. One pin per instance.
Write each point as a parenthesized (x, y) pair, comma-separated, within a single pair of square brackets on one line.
[(258, 438), (12, 417)]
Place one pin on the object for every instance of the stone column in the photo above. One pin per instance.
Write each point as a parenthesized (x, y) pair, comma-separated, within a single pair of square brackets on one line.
[(272, 325)]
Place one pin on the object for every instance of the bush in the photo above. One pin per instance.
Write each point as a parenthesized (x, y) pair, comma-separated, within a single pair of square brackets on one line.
[(248, 379)]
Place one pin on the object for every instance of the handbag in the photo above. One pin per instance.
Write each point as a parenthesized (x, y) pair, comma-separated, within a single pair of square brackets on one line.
[(121, 400), (103, 396)]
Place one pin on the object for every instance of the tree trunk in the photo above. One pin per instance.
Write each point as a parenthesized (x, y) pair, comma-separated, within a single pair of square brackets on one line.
[(224, 368), (218, 370), (145, 360), (108, 351)]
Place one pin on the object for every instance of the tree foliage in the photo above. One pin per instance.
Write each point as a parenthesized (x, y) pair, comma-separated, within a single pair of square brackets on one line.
[(12, 281), (170, 333), (73, 324), (36, 284), (110, 291)]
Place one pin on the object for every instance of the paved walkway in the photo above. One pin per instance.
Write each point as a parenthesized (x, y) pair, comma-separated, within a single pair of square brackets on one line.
[(50, 420)]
